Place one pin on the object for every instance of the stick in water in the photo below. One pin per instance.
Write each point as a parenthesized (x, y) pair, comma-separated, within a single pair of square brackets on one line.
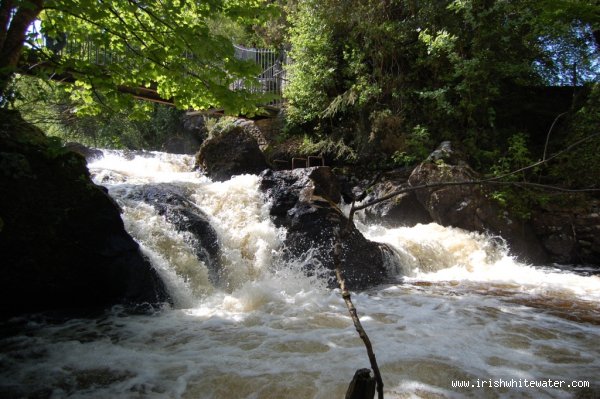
[(337, 251)]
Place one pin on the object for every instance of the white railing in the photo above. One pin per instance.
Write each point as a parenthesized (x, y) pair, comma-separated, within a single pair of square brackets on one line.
[(270, 81), (272, 78)]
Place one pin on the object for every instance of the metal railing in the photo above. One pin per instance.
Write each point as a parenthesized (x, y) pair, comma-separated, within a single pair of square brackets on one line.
[(272, 78), (270, 81)]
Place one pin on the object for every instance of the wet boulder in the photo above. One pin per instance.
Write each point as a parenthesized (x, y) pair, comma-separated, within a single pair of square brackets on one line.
[(229, 153), (469, 206), (305, 202), (172, 202), (401, 210), (62, 239), (88, 153)]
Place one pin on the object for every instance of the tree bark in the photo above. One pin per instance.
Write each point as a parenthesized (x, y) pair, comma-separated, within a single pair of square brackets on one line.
[(13, 35), (6, 6)]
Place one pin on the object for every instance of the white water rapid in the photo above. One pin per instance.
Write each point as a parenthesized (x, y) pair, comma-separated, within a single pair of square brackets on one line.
[(461, 309)]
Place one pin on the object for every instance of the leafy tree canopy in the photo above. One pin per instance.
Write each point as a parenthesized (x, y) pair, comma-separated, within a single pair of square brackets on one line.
[(384, 75), (165, 45)]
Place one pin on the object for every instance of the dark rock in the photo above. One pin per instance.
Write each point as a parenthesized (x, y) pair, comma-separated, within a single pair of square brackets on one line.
[(570, 232), (448, 154), (469, 206), (401, 210), (362, 385), (88, 153), (325, 184), (302, 202), (183, 144), (230, 153), (195, 122), (62, 240), (350, 189), (172, 202)]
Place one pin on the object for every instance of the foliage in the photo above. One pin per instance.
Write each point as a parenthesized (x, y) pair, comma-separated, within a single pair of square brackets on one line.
[(144, 126), (417, 148), (517, 156), (121, 130), (328, 147), (113, 44), (311, 75), (570, 31), (240, 34), (580, 167), (576, 165), (217, 126), (440, 66), (38, 100)]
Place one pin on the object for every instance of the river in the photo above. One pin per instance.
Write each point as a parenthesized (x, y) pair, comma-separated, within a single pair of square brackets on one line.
[(460, 310)]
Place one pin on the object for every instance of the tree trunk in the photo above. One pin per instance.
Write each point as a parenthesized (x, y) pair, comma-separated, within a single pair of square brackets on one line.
[(12, 36), (6, 6)]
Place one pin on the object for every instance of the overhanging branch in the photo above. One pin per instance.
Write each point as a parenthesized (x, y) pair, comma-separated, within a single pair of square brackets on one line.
[(497, 180)]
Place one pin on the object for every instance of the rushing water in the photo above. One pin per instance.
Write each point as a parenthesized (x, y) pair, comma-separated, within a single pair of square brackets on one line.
[(461, 310)]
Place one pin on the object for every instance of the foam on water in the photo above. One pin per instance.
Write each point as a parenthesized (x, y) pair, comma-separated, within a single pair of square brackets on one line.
[(464, 310), (267, 340), (435, 253), (170, 252), (119, 166), (249, 240)]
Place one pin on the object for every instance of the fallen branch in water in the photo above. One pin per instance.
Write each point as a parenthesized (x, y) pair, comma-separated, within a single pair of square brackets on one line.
[(337, 253)]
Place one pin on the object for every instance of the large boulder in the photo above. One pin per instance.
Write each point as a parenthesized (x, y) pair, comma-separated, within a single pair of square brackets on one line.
[(469, 206), (304, 201), (400, 210), (172, 202), (62, 240), (229, 153)]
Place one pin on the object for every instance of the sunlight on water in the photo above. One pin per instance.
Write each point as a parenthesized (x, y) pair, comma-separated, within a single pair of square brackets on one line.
[(170, 252), (241, 218), (461, 309)]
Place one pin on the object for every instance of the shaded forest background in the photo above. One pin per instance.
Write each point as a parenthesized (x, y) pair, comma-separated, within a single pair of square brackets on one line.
[(382, 83)]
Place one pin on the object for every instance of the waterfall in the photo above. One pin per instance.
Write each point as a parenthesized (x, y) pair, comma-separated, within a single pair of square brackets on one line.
[(459, 308)]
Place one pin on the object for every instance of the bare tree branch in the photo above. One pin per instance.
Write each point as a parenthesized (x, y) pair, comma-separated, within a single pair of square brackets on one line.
[(550, 131), (337, 251), (496, 180)]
